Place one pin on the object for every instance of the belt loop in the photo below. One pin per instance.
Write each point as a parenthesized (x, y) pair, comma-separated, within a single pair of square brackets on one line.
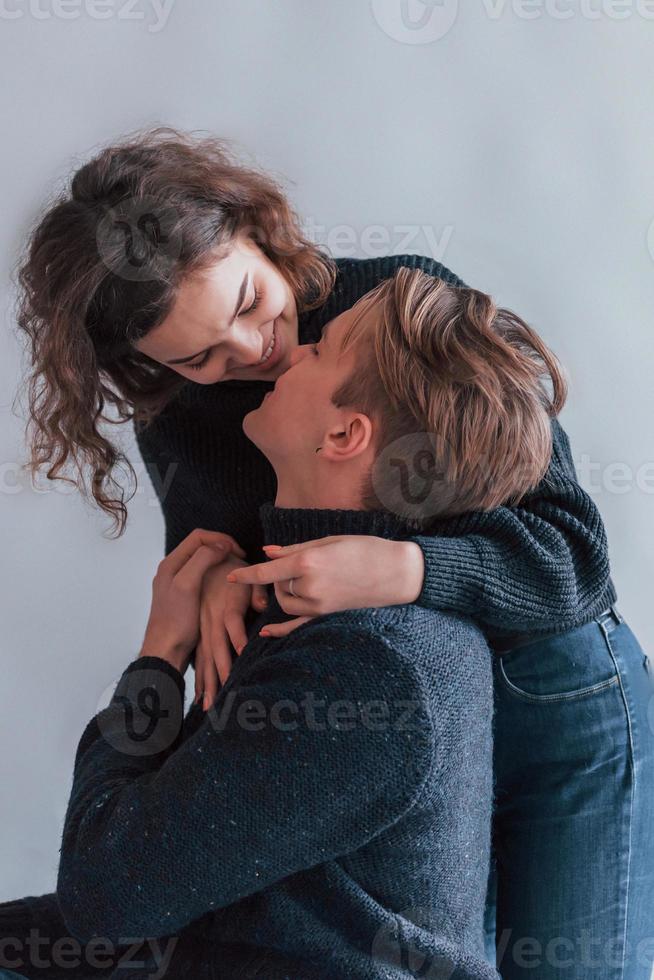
[(609, 617), (616, 615)]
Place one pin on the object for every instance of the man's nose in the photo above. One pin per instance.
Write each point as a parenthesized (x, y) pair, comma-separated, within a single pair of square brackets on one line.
[(298, 353)]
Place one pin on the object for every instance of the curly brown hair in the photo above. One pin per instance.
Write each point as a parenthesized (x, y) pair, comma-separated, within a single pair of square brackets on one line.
[(102, 268)]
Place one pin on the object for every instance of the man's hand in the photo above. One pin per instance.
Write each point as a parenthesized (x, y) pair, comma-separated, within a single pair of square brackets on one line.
[(222, 626), (174, 624)]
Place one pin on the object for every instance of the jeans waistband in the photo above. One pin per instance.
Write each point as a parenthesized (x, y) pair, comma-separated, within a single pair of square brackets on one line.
[(507, 643)]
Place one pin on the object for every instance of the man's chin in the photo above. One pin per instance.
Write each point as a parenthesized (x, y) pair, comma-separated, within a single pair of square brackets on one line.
[(250, 424), (254, 427)]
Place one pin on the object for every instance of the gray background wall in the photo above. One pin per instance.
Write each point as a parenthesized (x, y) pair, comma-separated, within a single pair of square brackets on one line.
[(512, 141)]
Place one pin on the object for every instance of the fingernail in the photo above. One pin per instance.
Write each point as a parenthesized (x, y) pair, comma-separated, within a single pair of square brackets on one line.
[(230, 578), (264, 633), (272, 547)]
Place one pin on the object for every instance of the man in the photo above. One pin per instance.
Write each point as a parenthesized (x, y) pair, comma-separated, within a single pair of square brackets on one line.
[(330, 816)]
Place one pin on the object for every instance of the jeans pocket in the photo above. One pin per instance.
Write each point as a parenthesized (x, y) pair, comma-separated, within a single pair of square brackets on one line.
[(564, 667)]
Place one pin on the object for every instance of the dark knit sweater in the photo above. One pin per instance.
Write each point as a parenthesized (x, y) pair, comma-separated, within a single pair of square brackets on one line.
[(542, 566), (329, 818)]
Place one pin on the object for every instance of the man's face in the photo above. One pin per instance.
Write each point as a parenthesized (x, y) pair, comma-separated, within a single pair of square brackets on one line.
[(292, 420)]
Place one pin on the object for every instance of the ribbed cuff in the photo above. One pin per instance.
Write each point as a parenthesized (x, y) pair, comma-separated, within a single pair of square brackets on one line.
[(454, 576), (156, 664), (146, 712)]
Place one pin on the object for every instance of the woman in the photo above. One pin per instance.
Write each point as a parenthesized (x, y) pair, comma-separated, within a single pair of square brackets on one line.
[(169, 263)]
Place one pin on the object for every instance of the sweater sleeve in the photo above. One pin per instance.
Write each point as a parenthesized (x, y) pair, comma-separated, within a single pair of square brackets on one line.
[(160, 831), (542, 565)]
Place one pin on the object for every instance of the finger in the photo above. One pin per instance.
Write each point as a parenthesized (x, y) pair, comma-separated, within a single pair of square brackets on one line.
[(191, 574), (295, 605), (210, 685), (259, 599), (221, 653), (267, 573), (199, 672), (235, 546), (235, 627), (181, 554), (292, 549), (283, 629)]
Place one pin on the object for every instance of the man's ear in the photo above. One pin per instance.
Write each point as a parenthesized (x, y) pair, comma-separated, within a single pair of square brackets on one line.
[(347, 440)]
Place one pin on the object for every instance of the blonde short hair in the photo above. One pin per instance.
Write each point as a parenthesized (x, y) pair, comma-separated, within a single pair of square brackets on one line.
[(459, 390)]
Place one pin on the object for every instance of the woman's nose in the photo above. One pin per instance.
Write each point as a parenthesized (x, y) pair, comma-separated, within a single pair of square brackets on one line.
[(246, 350)]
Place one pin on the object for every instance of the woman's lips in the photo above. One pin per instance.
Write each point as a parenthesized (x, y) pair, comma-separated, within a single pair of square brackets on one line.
[(276, 352)]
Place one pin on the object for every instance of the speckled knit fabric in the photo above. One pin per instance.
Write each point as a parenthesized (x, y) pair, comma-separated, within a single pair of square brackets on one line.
[(329, 818), (541, 567)]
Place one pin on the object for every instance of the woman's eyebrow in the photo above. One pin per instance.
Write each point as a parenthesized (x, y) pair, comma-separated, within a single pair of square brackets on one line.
[(239, 302)]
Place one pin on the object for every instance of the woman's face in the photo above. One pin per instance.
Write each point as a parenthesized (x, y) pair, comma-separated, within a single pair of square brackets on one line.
[(237, 319)]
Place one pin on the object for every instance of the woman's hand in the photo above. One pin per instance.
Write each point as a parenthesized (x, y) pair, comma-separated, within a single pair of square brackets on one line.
[(222, 626), (173, 626), (350, 571)]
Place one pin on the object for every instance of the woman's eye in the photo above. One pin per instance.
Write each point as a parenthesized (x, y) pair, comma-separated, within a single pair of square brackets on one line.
[(200, 364), (255, 303)]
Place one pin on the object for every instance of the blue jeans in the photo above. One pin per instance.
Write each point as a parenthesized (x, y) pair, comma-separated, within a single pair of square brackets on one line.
[(571, 889)]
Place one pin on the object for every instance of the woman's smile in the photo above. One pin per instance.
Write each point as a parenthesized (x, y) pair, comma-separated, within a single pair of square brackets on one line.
[(273, 352)]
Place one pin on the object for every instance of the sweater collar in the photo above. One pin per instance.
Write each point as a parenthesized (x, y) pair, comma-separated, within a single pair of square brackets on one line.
[(291, 525)]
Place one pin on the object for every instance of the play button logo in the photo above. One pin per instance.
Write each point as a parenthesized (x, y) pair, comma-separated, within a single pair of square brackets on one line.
[(415, 21)]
